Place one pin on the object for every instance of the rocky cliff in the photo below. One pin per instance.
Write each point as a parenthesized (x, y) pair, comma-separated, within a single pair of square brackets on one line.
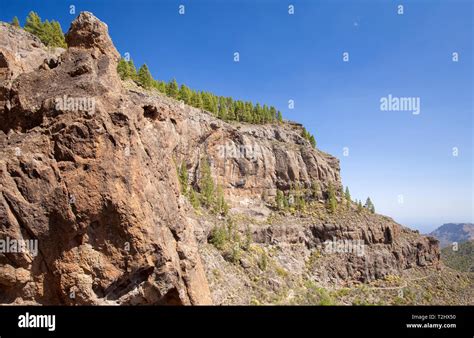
[(88, 171)]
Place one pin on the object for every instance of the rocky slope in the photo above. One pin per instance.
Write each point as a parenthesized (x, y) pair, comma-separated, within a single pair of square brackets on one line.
[(88, 169)]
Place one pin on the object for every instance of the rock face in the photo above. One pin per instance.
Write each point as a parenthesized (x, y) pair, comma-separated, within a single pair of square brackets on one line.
[(88, 173), (88, 176), (253, 161)]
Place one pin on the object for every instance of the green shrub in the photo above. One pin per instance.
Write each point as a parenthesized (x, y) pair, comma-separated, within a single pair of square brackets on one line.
[(219, 237), (206, 184), (248, 239), (263, 261), (221, 205), (235, 253), (332, 201), (183, 178)]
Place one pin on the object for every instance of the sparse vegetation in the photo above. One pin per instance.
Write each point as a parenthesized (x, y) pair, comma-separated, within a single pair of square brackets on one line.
[(248, 239), (313, 257), (227, 239), (295, 200), (462, 259), (369, 205), (307, 135), (206, 184), (183, 178), (210, 195), (347, 196), (331, 201), (194, 199), (315, 189), (280, 199), (219, 237), (225, 108), (263, 261), (359, 206), (314, 295)]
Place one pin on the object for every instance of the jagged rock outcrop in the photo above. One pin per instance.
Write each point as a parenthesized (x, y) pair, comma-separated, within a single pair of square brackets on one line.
[(254, 161), (88, 176), (88, 169)]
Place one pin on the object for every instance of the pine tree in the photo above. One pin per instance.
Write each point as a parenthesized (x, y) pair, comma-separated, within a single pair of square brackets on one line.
[(347, 195), (279, 199), (206, 184), (126, 70), (184, 94), (160, 86), (222, 112), (33, 24), (46, 33), (206, 100), (300, 202), (258, 114), (266, 114), (50, 33), (15, 22), (221, 206), (332, 201), (183, 178), (279, 117), (369, 205), (193, 198), (196, 100), (247, 113), (286, 202), (273, 112), (214, 105), (144, 77), (172, 89), (315, 189), (305, 133), (359, 206), (312, 140), (58, 39), (122, 69)]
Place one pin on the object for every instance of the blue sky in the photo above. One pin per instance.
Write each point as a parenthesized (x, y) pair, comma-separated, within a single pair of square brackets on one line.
[(299, 57)]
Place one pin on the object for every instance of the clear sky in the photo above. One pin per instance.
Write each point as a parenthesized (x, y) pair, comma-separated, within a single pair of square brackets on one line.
[(300, 57)]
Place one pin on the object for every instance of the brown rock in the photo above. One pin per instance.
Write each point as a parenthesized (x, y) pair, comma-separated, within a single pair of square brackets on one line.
[(87, 175), (87, 168)]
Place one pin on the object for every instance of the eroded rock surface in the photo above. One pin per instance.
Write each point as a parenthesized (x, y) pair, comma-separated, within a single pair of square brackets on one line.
[(88, 176), (88, 169)]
